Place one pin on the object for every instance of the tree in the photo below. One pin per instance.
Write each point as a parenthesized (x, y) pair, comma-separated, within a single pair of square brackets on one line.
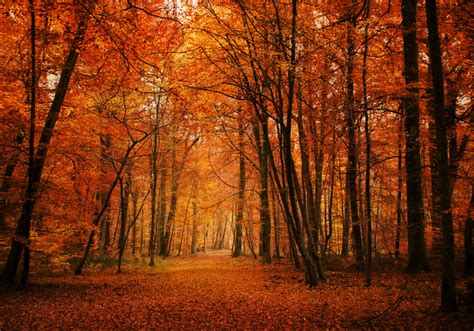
[(448, 286), (237, 251), (19, 244), (417, 259), (351, 145)]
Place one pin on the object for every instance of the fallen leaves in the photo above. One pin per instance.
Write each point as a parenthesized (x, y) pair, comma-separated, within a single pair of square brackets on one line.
[(215, 292)]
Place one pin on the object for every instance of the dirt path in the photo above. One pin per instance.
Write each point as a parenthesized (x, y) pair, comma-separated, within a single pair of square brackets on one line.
[(215, 292)]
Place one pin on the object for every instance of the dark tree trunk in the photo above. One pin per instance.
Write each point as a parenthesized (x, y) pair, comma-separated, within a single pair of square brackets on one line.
[(105, 143), (153, 182), (468, 244), (448, 286), (162, 224), (417, 259), (134, 229), (265, 221), (347, 218), (241, 199), (352, 149), (437, 243), (399, 190), (368, 156), (185, 225), (195, 233), (124, 202), (20, 241), (276, 226), (173, 204), (331, 196)]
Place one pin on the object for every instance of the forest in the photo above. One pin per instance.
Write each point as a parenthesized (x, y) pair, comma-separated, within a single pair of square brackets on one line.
[(232, 164)]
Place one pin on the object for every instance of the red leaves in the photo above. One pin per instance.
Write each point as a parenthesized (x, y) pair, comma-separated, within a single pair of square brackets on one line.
[(212, 292)]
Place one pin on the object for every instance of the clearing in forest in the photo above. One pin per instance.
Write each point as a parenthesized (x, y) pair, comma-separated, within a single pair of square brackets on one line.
[(216, 291)]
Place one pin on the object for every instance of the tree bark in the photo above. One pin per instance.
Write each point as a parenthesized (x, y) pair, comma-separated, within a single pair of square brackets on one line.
[(347, 218), (265, 220), (468, 244), (124, 202), (162, 222), (105, 142), (417, 259), (399, 190), (241, 198), (448, 285), (153, 182), (368, 156), (352, 148)]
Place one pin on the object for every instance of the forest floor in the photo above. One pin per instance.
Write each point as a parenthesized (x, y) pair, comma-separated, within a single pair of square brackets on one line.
[(218, 292)]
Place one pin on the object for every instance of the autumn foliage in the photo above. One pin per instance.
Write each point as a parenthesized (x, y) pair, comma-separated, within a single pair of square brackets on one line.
[(329, 144)]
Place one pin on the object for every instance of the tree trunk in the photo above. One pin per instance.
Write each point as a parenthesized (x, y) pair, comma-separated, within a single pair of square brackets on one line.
[(399, 190), (436, 227), (173, 203), (195, 231), (162, 224), (241, 199), (124, 201), (448, 286), (417, 259), (468, 228), (153, 181), (276, 227), (352, 149), (347, 218), (105, 142), (134, 229), (368, 156), (265, 220)]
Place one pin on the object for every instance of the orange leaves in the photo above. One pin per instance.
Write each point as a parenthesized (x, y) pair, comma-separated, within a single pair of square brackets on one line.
[(215, 292)]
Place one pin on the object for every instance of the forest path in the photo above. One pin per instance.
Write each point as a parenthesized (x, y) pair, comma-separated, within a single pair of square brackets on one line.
[(215, 292)]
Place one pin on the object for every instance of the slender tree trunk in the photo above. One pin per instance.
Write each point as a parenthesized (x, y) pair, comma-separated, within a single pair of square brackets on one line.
[(417, 259), (276, 227), (134, 229), (448, 286), (331, 197), (124, 199), (173, 203), (347, 218), (468, 244), (241, 199), (195, 230), (185, 225), (352, 149), (162, 224), (153, 182), (399, 190), (265, 220), (368, 156), (105, 143)]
